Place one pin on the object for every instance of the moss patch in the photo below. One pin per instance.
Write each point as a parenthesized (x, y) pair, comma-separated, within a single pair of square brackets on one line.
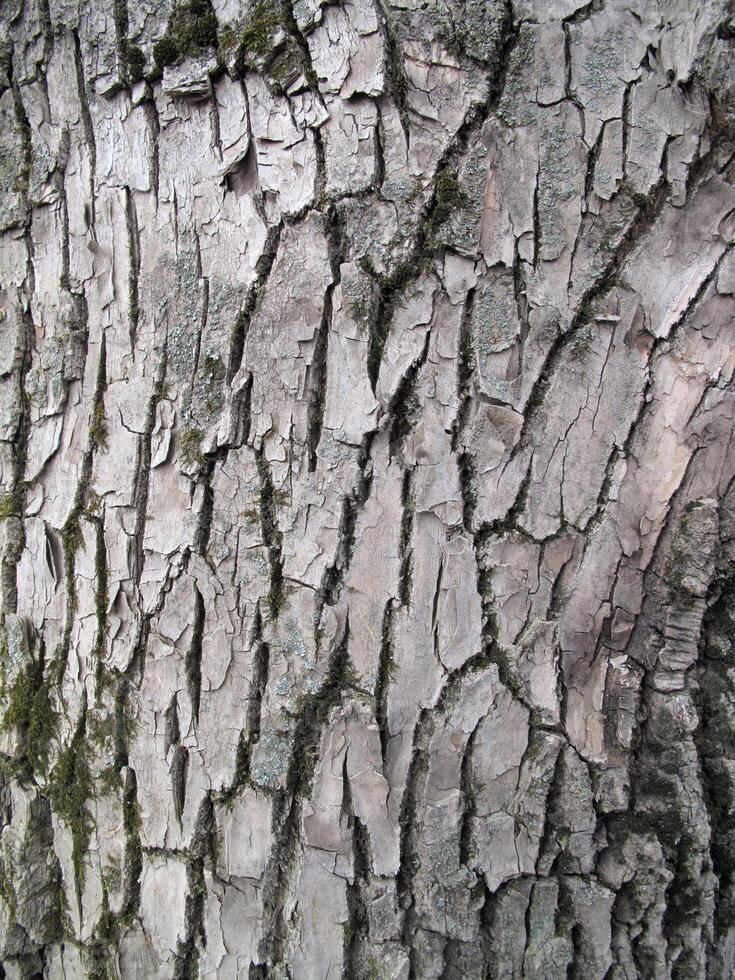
[(259, 36), (265, 42), (192, 29), (71, 539), (190, 447), (98, 425), (134, 60), (448, 197), (30, 712), (272, 536), (9, 505), (70, 786), (131, 56), (680, 561)]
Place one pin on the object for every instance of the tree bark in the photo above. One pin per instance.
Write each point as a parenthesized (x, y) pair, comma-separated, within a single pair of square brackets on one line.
[(367, 462)]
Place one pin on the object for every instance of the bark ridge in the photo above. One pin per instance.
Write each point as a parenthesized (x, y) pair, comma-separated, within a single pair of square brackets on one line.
[(366, 450)]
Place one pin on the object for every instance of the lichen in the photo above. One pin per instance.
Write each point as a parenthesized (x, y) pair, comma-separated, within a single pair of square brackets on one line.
[(514, 108), (581, 344), (272, 760), (472, 28), (209, 388)]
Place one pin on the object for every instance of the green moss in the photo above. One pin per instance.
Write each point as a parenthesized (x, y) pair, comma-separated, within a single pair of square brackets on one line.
[(286, 67), (191, 29), (30, 712), (241, 776), (448, 198), (676, 572), (581, 344), (643, 202), (190, 447), (165, 51), (361, 309), (591, 303), (106, 936), (131, 816), (9, 505), (276, 591), (71, 540), (98, 426), (109, 781), (405, 407), (120, 17), (266, 43), (251, 515), (472, 28), (506, 671), (272, 537), (7, 891), (314, 712), (715, 736), (131, 55), (560, 596), (228, 40), (536, 744), (71, 535), (112, 874), (259, 35), (133, 853), (135, 61), (70, 786), (504, 525), (94, 505), (101, 730), (101, 597), (680, 560), (405, 578)]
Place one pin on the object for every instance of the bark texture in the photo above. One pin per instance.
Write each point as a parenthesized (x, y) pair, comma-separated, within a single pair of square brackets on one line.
[(366, 445)]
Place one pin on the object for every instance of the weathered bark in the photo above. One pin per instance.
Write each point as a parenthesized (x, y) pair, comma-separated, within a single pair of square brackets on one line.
[(366, 410)]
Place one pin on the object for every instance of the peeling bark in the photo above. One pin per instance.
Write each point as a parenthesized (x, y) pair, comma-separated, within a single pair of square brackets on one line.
[(366, 450)]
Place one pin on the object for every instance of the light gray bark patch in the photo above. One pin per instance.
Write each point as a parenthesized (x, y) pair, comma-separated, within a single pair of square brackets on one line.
[(366, 489)]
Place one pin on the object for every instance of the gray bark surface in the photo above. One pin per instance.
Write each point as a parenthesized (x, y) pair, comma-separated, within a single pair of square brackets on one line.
[(367, 516)]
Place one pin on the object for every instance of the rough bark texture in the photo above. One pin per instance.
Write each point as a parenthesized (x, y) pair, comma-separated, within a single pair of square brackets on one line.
[(368, 527)]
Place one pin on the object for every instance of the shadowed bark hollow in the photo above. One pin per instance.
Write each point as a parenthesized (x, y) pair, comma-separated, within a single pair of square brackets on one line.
[(367, 598)]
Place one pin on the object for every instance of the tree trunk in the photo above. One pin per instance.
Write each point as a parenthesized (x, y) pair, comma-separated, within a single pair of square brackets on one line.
[(368, 520)]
